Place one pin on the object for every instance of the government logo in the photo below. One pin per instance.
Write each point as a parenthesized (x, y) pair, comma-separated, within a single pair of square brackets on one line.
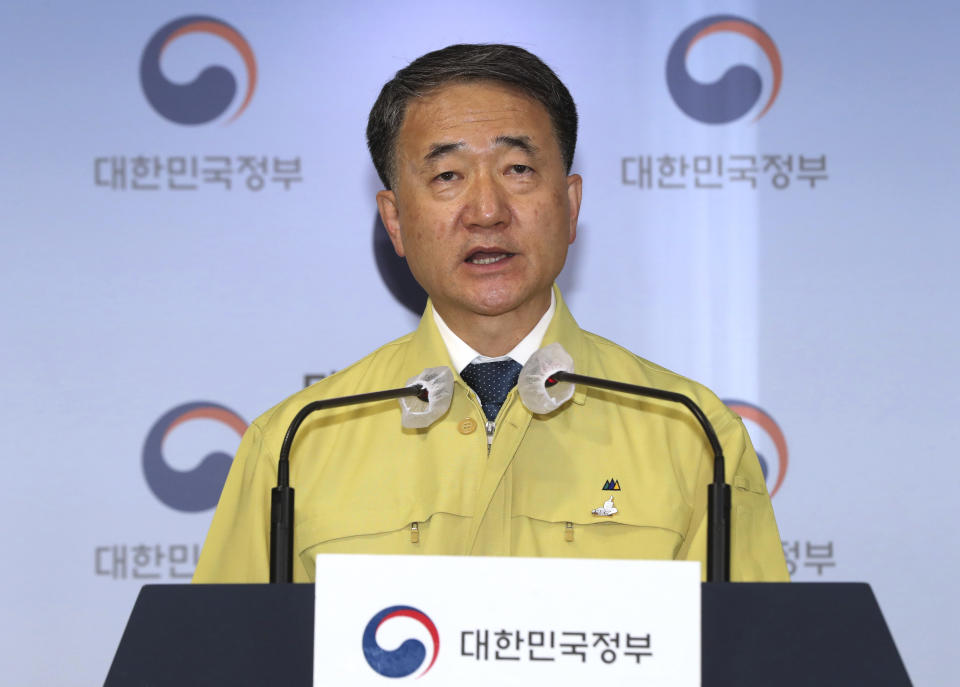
[(194, 490), (213, 91), (738, 90), (410, 655)]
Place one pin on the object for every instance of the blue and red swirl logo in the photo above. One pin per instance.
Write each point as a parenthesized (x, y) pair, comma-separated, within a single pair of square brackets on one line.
[(740, 87), (410, 655), (210, 94), (193, 490), (767, 437)]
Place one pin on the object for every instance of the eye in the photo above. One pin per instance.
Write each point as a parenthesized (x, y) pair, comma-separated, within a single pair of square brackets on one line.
[(446, 176), (520, 169)]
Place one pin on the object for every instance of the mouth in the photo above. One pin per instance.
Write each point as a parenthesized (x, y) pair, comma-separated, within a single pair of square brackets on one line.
[(487, 257)]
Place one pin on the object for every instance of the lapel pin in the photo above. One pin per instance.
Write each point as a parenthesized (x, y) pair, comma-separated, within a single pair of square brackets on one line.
[(607, 509)]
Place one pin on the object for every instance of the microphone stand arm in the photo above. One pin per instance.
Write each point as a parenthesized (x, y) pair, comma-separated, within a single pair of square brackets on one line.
[(281, 497), (718, 493)]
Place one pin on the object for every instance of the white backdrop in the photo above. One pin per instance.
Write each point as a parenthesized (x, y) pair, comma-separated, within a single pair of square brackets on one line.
[(145, 327)]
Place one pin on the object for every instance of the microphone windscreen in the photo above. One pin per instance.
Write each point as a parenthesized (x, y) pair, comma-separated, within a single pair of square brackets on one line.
[(417, 414), (532, 384)]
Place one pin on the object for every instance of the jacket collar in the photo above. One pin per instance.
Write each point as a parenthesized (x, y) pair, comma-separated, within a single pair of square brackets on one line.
[(426, 347), (565, 330)]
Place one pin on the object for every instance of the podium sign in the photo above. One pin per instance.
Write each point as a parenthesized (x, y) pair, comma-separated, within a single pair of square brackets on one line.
[(506, 621)]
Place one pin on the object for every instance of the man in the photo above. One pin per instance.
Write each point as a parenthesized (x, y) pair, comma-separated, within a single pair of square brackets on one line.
[(474, 144)]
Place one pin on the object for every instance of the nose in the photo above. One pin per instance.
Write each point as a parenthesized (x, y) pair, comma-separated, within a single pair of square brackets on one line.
[(486, 203)]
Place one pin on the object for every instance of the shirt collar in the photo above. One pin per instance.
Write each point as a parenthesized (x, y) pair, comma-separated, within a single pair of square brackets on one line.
[(461, 354)]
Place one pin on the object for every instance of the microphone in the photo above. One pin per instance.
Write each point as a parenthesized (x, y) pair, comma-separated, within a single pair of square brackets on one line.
[(424, 400), (547, 381)]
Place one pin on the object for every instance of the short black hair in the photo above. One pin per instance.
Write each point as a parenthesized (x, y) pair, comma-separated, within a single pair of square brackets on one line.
[(468, 62)]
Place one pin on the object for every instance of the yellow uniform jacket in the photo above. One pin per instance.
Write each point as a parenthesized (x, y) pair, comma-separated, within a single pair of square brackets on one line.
[(366, 485)]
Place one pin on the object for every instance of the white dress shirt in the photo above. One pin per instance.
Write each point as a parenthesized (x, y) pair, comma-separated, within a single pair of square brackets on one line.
[(462, 355)]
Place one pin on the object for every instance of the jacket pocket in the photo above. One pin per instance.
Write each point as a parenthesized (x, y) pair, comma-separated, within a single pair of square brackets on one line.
[(598, 524), (600, 538), (380, 532)]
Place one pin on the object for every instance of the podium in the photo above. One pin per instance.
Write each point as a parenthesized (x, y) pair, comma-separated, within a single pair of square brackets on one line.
[(753, 635)]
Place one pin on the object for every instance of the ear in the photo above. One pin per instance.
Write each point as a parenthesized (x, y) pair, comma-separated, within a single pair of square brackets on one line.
[(390, 216), (574, 196)]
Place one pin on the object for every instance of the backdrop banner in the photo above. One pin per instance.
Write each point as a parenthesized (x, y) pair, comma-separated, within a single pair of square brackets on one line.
[(190, 235)]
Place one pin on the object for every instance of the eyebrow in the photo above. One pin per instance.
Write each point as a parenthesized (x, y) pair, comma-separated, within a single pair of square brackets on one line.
[(522, 142), (438, 150)]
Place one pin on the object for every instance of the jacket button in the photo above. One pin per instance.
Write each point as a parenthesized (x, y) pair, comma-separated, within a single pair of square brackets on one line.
[(467, 425)]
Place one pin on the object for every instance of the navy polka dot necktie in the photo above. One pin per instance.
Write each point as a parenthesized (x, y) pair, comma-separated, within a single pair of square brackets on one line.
[(492, 381)]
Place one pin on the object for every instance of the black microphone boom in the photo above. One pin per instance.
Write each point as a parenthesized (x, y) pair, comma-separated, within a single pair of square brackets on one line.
[(718, 493), (281, 498)]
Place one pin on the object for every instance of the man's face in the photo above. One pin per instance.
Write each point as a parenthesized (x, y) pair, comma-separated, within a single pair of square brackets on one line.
[(482, 207)]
